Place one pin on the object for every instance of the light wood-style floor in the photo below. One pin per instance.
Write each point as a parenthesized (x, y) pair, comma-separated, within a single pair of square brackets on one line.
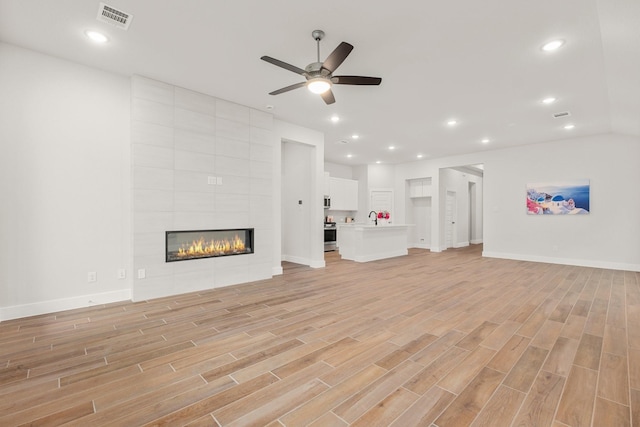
[(430, 339)]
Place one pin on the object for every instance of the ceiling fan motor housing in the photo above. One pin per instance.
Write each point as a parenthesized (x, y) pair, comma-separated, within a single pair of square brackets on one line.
[(315, 69)]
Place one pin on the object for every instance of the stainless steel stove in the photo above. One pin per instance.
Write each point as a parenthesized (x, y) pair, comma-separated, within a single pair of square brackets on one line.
[(330, 236)]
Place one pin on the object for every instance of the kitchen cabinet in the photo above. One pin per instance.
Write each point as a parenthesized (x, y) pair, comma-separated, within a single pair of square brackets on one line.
[(344, 194), (327, 184), (420, 187)]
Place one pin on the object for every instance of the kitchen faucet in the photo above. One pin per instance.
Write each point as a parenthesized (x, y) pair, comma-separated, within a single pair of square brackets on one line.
[(375, 216)]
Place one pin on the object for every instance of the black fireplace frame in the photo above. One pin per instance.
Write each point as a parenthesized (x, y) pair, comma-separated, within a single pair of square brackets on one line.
[(249, 234)]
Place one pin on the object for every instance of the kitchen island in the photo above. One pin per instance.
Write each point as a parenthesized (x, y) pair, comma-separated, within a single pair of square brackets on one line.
[(368, 242)]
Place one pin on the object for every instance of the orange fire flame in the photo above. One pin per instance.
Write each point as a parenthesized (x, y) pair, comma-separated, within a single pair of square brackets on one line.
[(212, 247)]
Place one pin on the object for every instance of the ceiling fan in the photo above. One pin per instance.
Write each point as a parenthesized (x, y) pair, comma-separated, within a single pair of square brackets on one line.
[(319, 75)]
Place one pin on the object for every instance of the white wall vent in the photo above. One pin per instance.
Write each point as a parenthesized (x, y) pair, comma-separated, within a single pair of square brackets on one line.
[(113, 16), (561, 114)]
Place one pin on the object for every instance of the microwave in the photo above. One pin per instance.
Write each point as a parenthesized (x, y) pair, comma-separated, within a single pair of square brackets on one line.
[(327, 202)]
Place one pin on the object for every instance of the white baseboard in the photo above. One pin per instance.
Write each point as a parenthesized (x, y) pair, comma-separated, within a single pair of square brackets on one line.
[(52, 306), (566, 261), (276, 271), (421, 245), (304, 261), (318, 264), (461, 245), (475, 241)]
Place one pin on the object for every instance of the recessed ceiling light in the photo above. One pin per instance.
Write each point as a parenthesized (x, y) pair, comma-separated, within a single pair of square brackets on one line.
[(552, 45), (452, 122), (391, 147), (569, 126), (349, 155), (335, 119), (355, 136), (485, 141), (419, 156), (549, 100), (378, 162), (96, 36)]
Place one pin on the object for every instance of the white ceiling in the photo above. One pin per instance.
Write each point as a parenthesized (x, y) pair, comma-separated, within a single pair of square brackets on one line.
[(479, 62)]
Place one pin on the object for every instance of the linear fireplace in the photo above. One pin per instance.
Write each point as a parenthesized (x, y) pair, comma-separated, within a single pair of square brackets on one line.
[(196, 244)]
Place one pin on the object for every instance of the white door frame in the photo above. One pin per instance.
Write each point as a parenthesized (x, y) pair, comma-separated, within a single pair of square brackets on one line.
[(450, 223)]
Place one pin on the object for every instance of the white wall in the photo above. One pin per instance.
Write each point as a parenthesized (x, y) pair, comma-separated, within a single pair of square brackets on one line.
[(181, 138), (65, 179), (609, 237), (372, 177), (75, 175), (381, 176), (361, 174), (338, 171)]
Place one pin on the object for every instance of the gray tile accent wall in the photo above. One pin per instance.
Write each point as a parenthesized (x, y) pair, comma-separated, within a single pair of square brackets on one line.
[(179, 139)]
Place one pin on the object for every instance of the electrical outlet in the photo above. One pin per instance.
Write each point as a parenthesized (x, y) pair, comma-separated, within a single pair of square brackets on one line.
[(211, 180), (219, 180), (142, 273), (122, 273), (92, 276)]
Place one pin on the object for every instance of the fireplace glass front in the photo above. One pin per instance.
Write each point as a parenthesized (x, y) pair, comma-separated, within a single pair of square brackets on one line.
[(196, 244)]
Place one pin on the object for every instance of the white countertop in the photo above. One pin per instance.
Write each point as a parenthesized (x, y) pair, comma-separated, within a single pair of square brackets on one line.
[(372, 226)]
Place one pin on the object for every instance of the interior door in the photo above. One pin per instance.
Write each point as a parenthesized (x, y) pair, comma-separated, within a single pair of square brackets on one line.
[(382, 200), (450, 219)]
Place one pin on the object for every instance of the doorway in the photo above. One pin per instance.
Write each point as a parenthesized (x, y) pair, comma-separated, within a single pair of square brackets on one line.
[(460, 221), (297, 206)]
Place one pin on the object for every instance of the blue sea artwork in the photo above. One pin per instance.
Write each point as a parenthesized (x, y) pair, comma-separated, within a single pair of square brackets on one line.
[(565, 198)]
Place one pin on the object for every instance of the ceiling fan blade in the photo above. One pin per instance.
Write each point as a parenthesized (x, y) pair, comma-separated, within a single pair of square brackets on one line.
[(288, 88), (328, 97), (284, 65), (356, 80), (336, 57)]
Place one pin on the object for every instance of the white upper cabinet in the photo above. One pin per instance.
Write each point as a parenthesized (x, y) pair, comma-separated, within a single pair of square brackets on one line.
[(327, 184), (344, 194), (420, 187)]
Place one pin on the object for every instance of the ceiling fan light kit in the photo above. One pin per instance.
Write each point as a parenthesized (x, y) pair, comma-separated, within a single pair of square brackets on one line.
[(319, 85), (319, 75)]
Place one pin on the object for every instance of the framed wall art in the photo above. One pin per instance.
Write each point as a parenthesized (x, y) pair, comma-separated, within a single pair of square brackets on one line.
[(570, 197)]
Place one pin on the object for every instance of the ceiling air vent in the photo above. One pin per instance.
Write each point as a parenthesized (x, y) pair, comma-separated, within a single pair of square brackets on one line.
[(561, 114), (113, 16)]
